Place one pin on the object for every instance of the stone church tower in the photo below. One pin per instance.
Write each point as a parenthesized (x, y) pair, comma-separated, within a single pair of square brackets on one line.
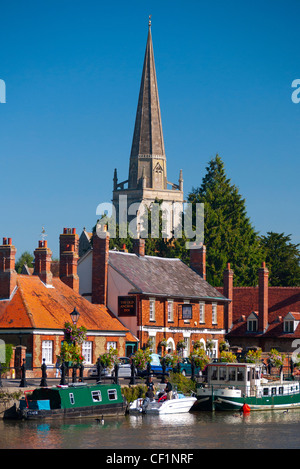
[(147, 178)]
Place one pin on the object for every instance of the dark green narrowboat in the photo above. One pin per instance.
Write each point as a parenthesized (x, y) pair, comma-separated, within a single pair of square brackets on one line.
[(72, 401)]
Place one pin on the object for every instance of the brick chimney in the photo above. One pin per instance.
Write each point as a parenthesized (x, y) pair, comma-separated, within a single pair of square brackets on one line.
[(198, 260), (42, 262), (100, 265), (139, 247), (68, 258), (8, 275), (228, 292), (263, 287)]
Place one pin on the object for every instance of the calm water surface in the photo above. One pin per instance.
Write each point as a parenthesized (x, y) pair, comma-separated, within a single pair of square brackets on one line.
[(201, 430)]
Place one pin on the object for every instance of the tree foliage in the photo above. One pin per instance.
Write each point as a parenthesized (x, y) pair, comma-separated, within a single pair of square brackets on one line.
[(282, 259), (228, 233), (25, 258)]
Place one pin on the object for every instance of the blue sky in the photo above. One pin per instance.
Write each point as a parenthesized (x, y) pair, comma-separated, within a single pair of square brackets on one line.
[(72, 71)]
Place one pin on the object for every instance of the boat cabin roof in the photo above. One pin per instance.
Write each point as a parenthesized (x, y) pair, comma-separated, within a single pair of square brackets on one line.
[(240, 365)]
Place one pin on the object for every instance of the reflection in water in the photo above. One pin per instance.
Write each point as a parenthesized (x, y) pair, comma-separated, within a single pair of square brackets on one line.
[(277, 429)]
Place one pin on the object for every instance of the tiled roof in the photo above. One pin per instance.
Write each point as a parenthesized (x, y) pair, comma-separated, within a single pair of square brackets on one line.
[(162, 277), (282, 300), (34, 305)]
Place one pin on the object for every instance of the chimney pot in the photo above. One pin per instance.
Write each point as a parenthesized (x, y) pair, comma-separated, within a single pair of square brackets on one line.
[(8, 275), (198, 259), (139, 247), (100, 267), (42, 263), (228, 293), (68, 250), (263, 291)]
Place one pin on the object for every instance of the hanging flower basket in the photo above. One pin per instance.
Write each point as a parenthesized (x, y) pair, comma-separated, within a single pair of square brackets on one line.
[(200, 358), (163, 343), (71, 354), (181, 345), (109, 359), (73, 333), (170, 359), (253, 356), (276, 358), (141, 358), (228, 357)]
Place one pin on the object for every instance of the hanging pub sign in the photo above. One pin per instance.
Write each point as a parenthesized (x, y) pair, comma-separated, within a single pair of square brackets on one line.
[(126, 306), (187, 311)]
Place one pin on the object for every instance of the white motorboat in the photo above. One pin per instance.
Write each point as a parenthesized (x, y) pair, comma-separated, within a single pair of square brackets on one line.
[(177, 405)]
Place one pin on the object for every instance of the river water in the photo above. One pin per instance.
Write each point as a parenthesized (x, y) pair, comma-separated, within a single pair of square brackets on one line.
[(183, 432)]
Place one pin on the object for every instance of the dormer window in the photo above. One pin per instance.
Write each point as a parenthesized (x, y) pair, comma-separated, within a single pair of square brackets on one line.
[(288, 326), (252, 323), (290, 322)]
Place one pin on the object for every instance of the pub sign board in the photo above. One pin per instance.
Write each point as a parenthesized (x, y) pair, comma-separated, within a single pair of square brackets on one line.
[(126, 306)]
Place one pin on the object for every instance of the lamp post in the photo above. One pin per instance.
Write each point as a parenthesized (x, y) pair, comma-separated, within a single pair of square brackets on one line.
[(75, 317)]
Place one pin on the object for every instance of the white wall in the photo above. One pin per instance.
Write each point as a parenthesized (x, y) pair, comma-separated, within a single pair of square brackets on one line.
[(84, 271), (118, 286)]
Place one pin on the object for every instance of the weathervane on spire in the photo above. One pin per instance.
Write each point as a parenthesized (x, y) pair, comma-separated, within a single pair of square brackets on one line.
[(150, 16)]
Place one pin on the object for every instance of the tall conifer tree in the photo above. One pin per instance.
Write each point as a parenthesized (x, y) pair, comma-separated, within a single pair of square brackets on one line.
[(282, 259), (228, 233)]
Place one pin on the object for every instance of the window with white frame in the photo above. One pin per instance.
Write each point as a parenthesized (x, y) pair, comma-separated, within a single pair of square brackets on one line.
[(252, 322), (202, 313), (110, 345), (288, 326), (252, 325), (214, 314), (87, 348), (186, 350), (214, 349), (152, 309), (96, 396), (186, 320), (47, 351), (170, 311), (151, 343)]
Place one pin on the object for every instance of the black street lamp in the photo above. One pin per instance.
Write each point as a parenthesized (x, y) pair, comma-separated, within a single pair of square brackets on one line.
[(75, 316)]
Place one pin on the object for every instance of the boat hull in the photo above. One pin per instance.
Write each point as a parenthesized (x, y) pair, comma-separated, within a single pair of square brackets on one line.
[(230, 399), (74, 401), (172, 406), (79, 412), (268, 403)]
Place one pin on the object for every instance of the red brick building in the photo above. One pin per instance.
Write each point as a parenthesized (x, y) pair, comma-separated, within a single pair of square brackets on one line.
[(263, 316), (156, 298), (34, 308)]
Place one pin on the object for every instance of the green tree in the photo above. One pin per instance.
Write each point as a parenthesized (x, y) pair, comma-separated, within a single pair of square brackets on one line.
[(228, 233), (282, 259), (25, 258)]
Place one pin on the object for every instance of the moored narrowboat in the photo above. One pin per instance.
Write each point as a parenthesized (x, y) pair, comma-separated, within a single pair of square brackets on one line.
[(72, 401), (230, 386)]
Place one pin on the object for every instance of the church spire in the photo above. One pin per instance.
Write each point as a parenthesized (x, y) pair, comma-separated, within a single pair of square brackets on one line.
[(148, 139)]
